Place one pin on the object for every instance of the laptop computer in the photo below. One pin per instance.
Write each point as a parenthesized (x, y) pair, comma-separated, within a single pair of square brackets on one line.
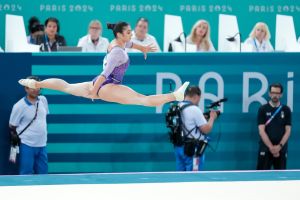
[(69, 49)]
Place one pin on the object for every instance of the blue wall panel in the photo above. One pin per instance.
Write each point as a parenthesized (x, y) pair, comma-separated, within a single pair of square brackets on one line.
[(86, 136)]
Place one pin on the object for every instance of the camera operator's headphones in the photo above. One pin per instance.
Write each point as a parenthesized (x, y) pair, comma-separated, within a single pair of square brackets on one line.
[(55, 20)]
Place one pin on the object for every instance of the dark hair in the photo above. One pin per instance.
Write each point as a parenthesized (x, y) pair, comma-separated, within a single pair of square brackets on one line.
[(53, 19), (34, 25), (276, 85), (117, 28), (192, 91), (34, 78), (142, 19)]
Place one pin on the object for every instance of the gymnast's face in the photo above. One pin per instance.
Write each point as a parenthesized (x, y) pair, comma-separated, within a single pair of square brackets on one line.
[(126, 34)]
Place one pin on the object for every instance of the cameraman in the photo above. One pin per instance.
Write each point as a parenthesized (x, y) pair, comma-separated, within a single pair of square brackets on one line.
[(195, 125)]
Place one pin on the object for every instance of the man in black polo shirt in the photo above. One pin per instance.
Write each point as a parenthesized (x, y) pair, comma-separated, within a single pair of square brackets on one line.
[(274, 125)]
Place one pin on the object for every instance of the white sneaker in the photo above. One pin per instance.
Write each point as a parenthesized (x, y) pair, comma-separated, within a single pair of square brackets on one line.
[(28, 83), (179, 94)]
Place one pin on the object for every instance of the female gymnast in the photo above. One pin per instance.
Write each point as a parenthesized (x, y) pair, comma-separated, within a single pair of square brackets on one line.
[(107, 86)]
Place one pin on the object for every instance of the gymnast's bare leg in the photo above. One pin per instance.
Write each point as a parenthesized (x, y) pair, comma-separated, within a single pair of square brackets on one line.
[(125, 95), (77, 89), (109, 92)]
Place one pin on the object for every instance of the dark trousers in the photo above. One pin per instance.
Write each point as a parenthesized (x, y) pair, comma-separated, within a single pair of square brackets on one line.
[(266, 160)]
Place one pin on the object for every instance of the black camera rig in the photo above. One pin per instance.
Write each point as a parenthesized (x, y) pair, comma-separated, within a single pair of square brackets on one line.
[(214, 106)]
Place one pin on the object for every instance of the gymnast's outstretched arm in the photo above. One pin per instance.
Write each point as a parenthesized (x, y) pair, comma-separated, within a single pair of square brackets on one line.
[(144, 49)]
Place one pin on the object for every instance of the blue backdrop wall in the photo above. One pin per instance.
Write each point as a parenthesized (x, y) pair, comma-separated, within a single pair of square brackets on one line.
[(86, 136)]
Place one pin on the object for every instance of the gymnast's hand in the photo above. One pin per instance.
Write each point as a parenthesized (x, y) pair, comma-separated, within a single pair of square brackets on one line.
[(148, 48)]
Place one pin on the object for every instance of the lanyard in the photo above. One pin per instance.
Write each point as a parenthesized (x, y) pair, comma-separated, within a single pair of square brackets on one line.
[(47, 43), (255, 45), (274, 114), (35, 115), (257, 49)]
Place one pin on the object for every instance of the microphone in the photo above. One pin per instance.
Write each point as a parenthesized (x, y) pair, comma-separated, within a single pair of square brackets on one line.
[(232, 39), (223, 100), (178, 39), (170, 48), (217, 103)]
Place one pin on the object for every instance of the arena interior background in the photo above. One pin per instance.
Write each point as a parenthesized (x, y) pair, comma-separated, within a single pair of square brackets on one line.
[(104, 137), (86, 136), (74, 16)]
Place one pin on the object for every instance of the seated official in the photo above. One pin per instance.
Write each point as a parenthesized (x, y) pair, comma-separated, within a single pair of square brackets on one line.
[(93, 42), (35, 29), (141, 36), (259, 39), (200, 36), (51, 40)]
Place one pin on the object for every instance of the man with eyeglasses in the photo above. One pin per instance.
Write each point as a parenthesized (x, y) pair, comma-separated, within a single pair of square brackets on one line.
[(141, 36), (274, 125), (93, 41)]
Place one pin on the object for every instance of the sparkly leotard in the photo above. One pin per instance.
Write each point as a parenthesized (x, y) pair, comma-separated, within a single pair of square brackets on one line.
[(115, 64)]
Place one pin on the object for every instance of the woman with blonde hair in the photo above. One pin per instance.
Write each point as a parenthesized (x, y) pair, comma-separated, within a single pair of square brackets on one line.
[(200, 36), (259, 38)]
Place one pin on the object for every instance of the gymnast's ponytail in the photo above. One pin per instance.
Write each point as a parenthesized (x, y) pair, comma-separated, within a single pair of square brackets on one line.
[(117, 28)]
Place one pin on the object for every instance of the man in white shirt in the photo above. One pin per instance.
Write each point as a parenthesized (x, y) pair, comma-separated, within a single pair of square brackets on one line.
[(140, 35), (93, 42), (28, 119)]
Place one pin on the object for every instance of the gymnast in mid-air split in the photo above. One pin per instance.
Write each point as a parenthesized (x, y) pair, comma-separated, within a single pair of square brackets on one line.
[(108, 85)]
